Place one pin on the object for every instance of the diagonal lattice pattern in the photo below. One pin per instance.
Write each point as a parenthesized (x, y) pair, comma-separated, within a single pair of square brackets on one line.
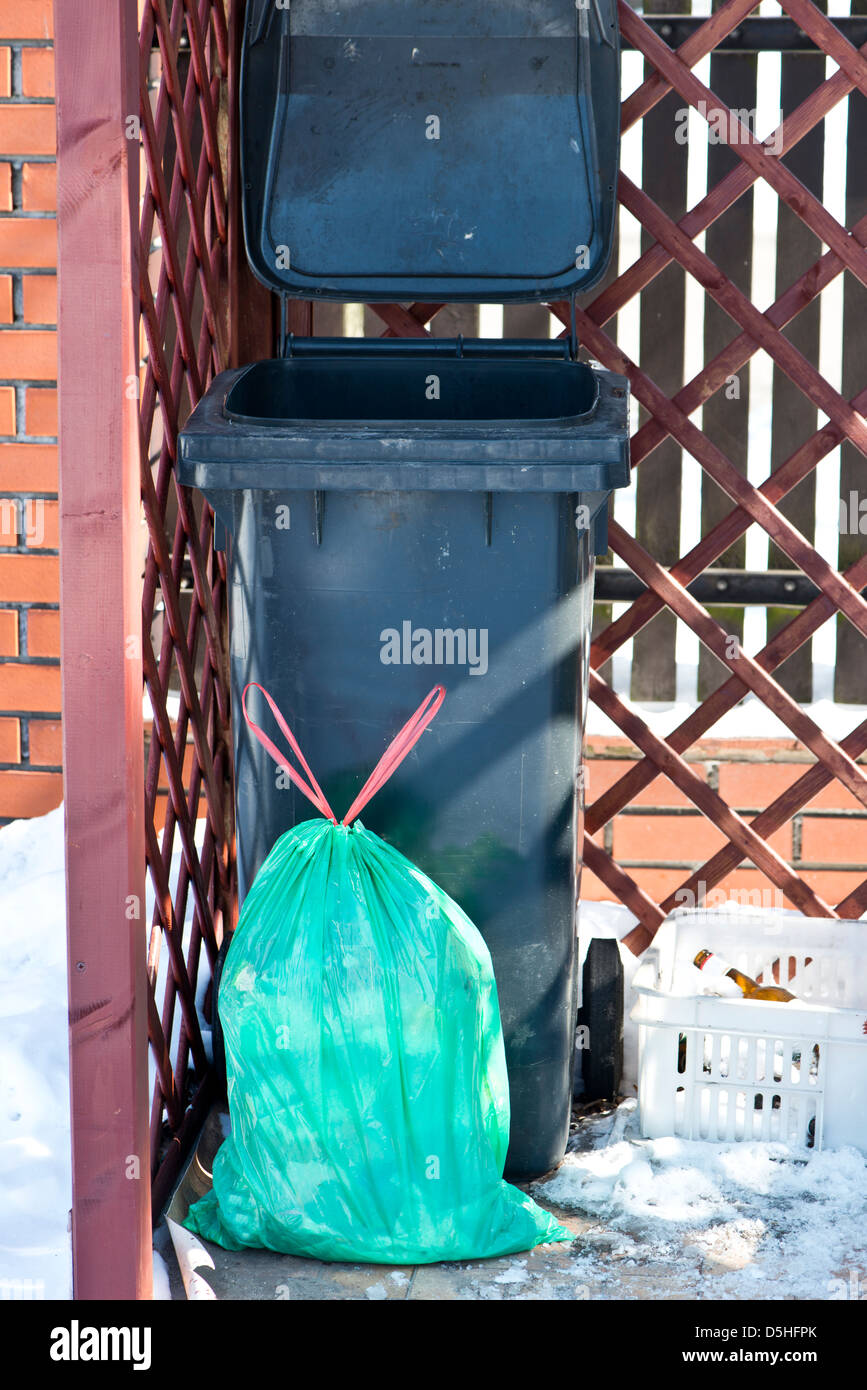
[(668, 417), (184, 62)]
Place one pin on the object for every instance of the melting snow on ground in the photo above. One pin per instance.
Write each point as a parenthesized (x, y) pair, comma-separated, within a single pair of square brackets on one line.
[(760, 1219)]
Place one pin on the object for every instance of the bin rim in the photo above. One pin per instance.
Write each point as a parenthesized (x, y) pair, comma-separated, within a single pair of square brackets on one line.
[(216, 454), (392, 424)]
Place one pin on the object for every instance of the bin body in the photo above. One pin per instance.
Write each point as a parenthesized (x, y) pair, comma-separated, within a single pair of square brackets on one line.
[(349, 602), (410, 512), (486, 805)]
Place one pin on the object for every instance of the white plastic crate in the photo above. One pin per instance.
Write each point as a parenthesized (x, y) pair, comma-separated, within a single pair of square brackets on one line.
[(732, 1069)]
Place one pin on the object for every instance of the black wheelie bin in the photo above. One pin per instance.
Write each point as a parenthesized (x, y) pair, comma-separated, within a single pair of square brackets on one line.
[(402, 512)]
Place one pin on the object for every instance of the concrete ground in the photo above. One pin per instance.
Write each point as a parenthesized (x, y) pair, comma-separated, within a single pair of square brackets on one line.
[(599, 1265)]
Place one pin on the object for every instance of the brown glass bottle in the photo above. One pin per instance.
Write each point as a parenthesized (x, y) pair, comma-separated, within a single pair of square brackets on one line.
[(749, 987)]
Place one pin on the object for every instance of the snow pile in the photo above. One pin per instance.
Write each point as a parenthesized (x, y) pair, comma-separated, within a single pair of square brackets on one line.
[(35, 1161), (750, 1211), (35, 1170)]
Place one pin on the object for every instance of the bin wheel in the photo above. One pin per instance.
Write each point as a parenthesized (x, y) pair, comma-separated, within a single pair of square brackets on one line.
[(603, 1015), (218, 1044)]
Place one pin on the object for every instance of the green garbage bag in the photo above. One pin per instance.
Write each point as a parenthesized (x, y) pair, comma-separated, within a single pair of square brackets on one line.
[(364, 1054)]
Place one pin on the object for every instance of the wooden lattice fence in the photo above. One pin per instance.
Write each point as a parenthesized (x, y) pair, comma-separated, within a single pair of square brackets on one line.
[(198, 312)]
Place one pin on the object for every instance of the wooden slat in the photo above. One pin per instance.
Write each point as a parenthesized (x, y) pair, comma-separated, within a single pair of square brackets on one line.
[(453, 320), (525, 320), (851, 667), (96, 62), (661, 355), (729, 245), (794, 416)]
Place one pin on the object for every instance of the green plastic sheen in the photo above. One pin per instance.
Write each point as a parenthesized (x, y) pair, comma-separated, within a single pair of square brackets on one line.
[(366, 1069)]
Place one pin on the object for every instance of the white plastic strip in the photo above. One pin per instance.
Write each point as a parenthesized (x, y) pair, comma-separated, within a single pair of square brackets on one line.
[(191, 1256)]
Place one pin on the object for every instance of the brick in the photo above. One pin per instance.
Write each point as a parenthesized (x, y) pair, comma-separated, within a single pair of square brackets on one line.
[(39, 187), (753, 786), (28, 468), (5, 299), (28, 241), (28, 129), (43, 632), (603, 746), (658, 884), (46, 742), (780, 840), (29, 687), (7, 410), (29, 579), (9, 522), (602, 773), (41, 410), (10, 741), (836, 797), (5, 187), (829, 840), (593, 890), (37, 72), (27, 19), (41, 524), (5, 72), (832, 885), (747, 885), (663, 839), (28, 354), (40, 298), (8, 632), (744, 750), (750, 887), (24, 794)]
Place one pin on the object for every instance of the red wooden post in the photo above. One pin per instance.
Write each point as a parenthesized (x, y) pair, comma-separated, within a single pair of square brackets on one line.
[(96, 50)]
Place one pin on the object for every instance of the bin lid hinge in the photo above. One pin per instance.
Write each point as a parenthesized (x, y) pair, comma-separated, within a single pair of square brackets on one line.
[(285, 336)]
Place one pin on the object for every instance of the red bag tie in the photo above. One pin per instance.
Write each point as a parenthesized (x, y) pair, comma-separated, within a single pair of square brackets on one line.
[(311, 790), (391, 759)]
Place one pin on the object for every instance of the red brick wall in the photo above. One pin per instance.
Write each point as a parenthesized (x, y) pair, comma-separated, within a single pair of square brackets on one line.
[(30, 744), (825, 842)]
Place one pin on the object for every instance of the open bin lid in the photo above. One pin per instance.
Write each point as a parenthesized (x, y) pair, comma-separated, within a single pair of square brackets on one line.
[(430, 149)]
